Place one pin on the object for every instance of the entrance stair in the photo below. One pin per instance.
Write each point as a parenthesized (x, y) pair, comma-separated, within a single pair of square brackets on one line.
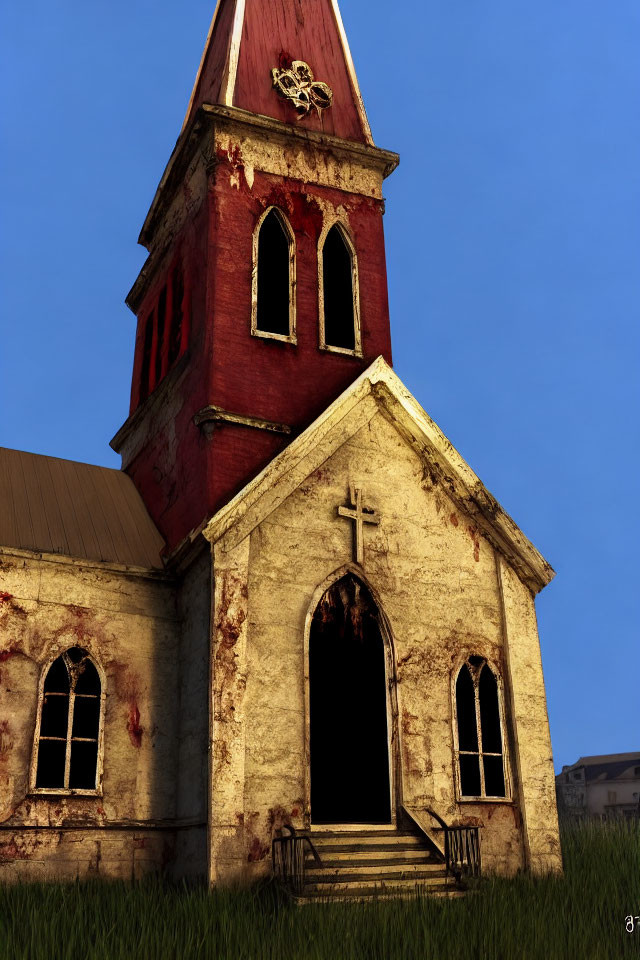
[(365, 864)]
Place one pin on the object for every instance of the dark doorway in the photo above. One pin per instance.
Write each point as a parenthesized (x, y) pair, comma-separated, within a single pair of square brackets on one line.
[(348, 708)]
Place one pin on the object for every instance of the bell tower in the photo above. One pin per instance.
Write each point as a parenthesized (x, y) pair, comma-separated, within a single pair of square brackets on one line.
[(264, 294)]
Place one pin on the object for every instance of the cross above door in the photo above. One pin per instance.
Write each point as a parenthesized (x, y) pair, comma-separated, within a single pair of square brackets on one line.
[(359, 515)]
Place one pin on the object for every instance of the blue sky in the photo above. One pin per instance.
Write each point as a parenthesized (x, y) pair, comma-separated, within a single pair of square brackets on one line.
[(513, 235)]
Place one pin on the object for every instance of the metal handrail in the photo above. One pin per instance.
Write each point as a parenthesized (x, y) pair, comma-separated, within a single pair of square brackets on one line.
[(461, 848), (288, 858)]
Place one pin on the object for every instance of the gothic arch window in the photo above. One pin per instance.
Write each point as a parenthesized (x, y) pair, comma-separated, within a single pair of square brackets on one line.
[(67, 749), (338, 290), (481, 770), (273, 313)]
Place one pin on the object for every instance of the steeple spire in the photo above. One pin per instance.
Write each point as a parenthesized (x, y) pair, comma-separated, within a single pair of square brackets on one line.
[(249, 40)]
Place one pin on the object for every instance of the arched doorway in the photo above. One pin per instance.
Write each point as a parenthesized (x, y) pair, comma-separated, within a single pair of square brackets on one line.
[(348, 742)]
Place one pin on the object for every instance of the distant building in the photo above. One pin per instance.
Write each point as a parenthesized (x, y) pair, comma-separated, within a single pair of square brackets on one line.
[(605, 786)]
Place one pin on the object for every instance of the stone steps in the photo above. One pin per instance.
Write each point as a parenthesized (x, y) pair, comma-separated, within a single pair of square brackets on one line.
[(361, 864)]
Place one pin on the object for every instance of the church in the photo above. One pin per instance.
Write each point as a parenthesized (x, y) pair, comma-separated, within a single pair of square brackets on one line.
[(295, 626)]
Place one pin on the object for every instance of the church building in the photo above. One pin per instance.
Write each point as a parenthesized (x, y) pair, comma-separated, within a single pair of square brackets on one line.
[(295, 614)]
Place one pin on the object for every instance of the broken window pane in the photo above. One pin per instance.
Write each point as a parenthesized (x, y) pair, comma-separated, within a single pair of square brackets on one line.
[(337, 279), (273, 276), (57, 679), (469, 775), (88, 680), (86, 717), (55, 715), (466, 710), (494, 777), (489, 712), (84, 758), (51, 754)]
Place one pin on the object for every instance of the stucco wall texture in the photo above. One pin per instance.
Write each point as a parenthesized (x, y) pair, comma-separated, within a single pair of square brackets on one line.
[(445, 595), (152, 658)]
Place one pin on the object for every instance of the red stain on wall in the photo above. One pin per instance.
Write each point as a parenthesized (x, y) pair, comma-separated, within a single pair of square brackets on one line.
[(453, 519), (134, 729), (5, 597), (475, 538), (257, 850)]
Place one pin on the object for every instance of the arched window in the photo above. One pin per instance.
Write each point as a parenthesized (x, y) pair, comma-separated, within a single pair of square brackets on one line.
[(273, 279), (480, 751), (69, 726), (338, 292)]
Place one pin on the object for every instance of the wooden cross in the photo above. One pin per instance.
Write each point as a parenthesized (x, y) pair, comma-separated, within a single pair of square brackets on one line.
[(360, 515)]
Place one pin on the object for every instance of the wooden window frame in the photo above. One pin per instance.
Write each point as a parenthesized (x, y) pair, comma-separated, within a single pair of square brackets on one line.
[(355, 289), (286, 226), (66, 790), (475, 677)]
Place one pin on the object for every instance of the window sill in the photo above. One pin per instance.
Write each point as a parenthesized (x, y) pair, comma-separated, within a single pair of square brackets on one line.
[(357, 353), (484, 800), (283, 338), (61, 792)]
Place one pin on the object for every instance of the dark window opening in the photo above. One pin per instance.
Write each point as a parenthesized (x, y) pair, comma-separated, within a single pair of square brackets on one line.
[(273, 308), (69, 724), (466, 710), (337, 285), (177, 307), (470, 776), (480, 747), (489, 712), (146, 358), (160, 323)]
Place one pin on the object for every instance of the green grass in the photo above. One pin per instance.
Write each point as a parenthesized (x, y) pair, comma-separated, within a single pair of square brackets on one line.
[(580, 915)]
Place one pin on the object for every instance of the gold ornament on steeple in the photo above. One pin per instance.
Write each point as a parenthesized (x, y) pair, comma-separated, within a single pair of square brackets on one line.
[(296, 84)]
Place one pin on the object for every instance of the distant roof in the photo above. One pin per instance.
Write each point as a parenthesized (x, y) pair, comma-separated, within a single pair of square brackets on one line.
[(607, 766), (606, 758), (77, 509)]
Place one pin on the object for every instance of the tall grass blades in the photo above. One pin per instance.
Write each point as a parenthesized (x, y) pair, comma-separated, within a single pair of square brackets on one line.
[(579, 915)]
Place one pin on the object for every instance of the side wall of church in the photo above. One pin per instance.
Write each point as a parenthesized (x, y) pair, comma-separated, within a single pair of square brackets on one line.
[(129, 625), (194, 607), (436, 580)]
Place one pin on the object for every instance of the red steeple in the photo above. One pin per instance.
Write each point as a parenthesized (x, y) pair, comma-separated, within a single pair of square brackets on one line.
[(264, 294), (249, 38)]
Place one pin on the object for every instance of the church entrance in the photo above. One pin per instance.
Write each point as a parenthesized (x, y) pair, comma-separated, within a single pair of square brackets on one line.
[(349, 750)]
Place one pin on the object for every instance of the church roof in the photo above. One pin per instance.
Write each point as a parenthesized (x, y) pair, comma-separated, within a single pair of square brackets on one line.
[(248, 39), (75, 509), (340, 420)]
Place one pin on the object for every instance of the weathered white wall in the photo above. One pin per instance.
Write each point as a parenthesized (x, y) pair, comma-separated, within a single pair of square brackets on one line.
[(128, 623), (437, 582), (194, 607)]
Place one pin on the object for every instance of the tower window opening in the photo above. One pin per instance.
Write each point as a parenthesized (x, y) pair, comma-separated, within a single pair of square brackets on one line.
[(177, 316), (339, 320), (479, 730), (274, 278), (145, 370), (69, 726), (161, 316)]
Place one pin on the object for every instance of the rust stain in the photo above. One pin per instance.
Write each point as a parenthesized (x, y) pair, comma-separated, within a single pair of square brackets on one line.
[(134, 729), (257, 850), (231, 618), (453, 519), (473, 533), (6, 743)]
